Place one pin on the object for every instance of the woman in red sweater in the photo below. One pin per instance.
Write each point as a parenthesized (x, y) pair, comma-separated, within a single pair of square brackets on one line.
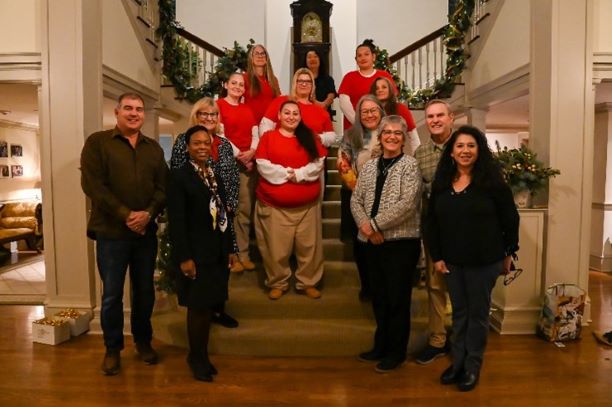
[(260, 83), (287, 211), (240, 128), (357, 83), (313, 115)]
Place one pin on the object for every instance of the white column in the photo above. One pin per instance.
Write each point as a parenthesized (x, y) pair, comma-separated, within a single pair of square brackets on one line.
[(561, 128), (601, 233), (151, 123), (477, 117), (70, 109)]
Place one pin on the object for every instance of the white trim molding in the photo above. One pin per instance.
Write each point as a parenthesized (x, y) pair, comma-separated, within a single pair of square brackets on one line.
[(509, 86)]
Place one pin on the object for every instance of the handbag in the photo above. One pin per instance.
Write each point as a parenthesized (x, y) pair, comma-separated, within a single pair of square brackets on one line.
[(561, 316)]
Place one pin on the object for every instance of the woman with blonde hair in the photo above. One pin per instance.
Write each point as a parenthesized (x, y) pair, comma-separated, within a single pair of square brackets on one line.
[(205, 112), (313, 115), (261, 86)]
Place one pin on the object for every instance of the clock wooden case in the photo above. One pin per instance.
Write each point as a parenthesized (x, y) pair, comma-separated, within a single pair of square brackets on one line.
[(311, 30)]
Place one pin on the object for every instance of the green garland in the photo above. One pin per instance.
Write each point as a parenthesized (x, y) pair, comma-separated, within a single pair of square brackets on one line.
[(178, 65), (454, 40)]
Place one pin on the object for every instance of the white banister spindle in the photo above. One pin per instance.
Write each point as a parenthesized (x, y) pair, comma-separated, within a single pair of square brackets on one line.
[(413, 64)]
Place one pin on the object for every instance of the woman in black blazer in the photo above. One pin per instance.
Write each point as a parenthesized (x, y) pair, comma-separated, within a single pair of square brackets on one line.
[(201, 243)]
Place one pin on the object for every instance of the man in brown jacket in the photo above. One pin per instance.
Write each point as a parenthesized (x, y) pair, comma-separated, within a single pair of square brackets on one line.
[(124, 174)]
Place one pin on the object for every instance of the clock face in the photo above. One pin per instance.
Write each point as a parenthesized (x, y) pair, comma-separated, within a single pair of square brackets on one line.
[(312, 28)]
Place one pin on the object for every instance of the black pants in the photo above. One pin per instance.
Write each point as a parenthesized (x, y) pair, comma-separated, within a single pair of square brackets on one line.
[(470, 289), (391, 267), (349, 231)]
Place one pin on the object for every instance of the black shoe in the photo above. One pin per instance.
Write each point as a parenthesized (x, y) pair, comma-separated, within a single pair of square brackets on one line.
[(212, 368), (200, 370), (430, 353), (224, 320), (147, 353), (468, 381), (451, 375), (388, 365), (371, 356), (111, 363)]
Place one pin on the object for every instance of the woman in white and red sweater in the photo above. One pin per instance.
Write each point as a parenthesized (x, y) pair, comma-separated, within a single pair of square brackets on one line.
[(287, 210)]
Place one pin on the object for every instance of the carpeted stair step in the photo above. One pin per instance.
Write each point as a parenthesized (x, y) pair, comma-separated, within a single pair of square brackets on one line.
[(333, 177), (331, 209), (336, 250), (279, 335), (331, 228), (332, 193)]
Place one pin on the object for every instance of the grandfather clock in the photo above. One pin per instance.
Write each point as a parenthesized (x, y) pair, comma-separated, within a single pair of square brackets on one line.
[(310, 30)]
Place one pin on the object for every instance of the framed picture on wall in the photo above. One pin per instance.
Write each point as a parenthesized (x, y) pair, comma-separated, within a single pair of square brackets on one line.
[(4, 171), (16, 150), (3, 148), (16, 170)]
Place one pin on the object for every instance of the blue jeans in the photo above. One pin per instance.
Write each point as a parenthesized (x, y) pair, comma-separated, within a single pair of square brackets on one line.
[(114, 257)]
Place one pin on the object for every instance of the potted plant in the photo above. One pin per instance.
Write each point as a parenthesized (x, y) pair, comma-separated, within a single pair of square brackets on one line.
[(524, 173)]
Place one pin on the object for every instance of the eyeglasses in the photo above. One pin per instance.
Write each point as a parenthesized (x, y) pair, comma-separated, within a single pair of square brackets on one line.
[(390, 132), (365, 112), (512, 275), (208, 115), (304, 81), (259, 53)]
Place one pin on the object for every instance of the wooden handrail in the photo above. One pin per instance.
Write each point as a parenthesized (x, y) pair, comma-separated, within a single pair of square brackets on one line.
[(416, 45), (200, 42)]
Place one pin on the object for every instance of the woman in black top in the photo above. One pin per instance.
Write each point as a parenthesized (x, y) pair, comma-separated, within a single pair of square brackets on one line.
[(200, 236), (325, 88), (472, 231)]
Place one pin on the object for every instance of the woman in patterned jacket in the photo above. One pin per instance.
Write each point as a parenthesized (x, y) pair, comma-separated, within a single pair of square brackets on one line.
[(386, 207)]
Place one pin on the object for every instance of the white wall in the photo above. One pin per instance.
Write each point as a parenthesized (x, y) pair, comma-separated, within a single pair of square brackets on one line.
[(222, 22), (21, 187), (507, 47), (395, 24), (19, 26), (121, 49), (505, 139), (602, 29)]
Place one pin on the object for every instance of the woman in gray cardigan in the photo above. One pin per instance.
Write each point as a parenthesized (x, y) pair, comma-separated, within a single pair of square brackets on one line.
[(386, 207)]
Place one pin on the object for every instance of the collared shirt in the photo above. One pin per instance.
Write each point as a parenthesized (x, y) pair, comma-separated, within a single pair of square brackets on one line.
[(428, 155), (119, 178)]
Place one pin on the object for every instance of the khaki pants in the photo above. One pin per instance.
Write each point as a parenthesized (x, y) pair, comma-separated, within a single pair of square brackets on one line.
[(283, 231), (244, 214), (436, 290)]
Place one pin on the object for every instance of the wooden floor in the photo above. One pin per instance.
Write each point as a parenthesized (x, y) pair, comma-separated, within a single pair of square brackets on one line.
[(519, 371)]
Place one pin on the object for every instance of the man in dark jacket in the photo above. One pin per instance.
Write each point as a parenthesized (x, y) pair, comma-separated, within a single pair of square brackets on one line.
[(124, 175)]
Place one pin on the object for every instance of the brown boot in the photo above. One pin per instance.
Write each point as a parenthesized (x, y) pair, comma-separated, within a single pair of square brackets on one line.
[(111, 362)]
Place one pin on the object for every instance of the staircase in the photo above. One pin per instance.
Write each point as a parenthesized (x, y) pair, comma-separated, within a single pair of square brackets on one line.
[(338, 324)]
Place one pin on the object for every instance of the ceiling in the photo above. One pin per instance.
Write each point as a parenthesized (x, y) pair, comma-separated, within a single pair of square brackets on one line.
[(19, 103)]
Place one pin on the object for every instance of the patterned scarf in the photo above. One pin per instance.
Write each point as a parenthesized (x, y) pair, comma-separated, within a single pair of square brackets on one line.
[(216, 207)]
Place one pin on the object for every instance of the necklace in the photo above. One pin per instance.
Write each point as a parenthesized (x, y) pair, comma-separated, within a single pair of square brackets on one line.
[(384, 167)]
